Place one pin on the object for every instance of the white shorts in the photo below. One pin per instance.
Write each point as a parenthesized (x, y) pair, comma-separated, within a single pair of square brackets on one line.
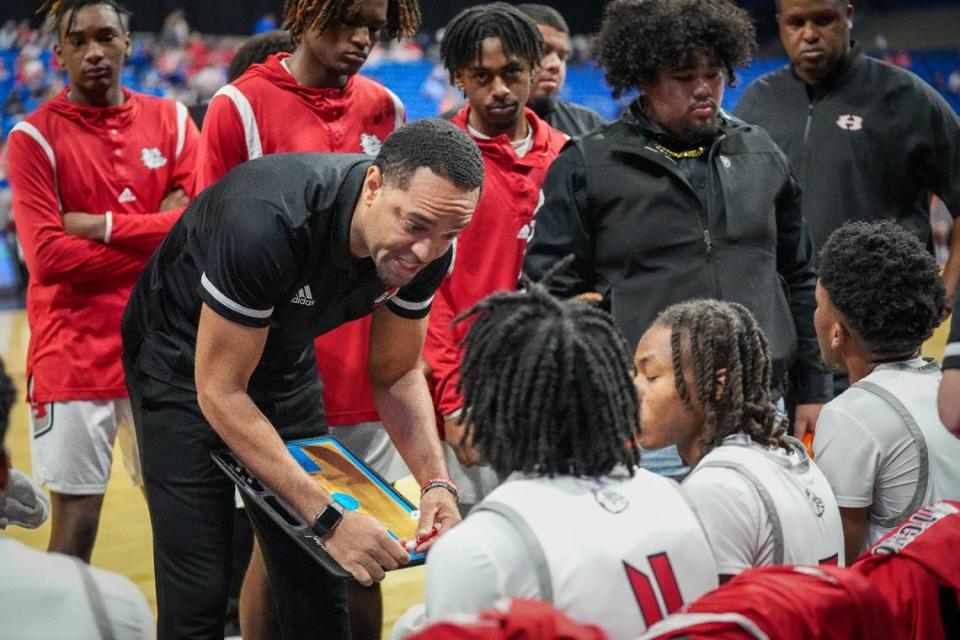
[(72, 444), (370, 442)]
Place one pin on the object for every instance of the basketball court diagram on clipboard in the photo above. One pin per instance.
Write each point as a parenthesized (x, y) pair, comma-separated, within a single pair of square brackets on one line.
[(346, 478)]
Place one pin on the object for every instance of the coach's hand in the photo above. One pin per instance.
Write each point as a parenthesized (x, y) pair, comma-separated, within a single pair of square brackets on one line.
[(362, 546), (92, 226), (437, 507)]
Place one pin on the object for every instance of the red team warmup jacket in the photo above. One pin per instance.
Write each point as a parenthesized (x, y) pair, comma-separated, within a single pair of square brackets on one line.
[(489, 253), (265, 111), (913, 564), (118, 161)]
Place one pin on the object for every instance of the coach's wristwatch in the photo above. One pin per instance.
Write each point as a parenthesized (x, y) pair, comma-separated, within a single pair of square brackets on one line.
[(327, 519)]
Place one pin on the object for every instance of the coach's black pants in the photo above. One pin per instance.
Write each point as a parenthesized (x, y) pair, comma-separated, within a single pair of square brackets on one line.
[(191, 511)]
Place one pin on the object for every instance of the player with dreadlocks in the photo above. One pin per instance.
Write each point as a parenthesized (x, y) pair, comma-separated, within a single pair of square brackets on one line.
[(550, 406), (703, 373), (315, 100), (491, 52), (92, 169)]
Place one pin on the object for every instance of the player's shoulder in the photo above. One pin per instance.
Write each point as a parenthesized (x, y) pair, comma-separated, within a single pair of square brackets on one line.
[(365, 89)]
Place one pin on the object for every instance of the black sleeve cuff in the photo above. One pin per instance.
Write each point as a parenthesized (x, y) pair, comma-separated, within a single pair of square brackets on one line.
[(411, 310), (951, 356)]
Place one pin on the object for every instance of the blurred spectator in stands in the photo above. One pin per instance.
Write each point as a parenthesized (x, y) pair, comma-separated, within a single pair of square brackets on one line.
[(953, 82), (8, 34), (175, 29), (267, 22), (14, 107)]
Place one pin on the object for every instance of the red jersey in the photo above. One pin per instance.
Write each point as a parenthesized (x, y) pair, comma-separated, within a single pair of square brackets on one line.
[(787, 603), (118, 161), (489, 253), (265, 111), (911, 564)]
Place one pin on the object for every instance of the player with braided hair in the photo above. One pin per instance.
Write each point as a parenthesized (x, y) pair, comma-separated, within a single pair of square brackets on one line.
[(703, 373), (550, 406), (98, 174)]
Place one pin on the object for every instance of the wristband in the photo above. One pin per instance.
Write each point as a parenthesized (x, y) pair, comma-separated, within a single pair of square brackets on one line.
[(446, 483)]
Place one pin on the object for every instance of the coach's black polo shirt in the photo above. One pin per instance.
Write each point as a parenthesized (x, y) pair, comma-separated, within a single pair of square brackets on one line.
[(266, 246)]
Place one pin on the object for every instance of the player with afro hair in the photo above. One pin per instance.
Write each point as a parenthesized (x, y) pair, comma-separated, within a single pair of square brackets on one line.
[(881, 443), (632, 46), (886, 285)]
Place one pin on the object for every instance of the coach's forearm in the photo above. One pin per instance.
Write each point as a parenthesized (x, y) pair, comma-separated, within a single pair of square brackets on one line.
[(407, 413), (254, 440)]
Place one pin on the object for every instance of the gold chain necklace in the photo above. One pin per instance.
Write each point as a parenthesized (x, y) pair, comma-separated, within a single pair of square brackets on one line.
[(691, 153)]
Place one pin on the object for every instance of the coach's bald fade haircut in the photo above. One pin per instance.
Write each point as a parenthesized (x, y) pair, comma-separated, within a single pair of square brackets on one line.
[(546, 386), (433, 143), (886, 284), (463, 39), (723, 346), (638, 38)]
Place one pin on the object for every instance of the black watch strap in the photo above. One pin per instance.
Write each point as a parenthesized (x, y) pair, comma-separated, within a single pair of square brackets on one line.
[(327, 519)]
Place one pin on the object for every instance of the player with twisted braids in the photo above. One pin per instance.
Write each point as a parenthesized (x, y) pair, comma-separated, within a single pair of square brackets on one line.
[(550, 406), (304, 16), (703, 372)]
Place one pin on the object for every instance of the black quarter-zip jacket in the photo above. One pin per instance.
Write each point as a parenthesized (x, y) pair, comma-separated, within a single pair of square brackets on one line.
[(646, 238), (872, 141)]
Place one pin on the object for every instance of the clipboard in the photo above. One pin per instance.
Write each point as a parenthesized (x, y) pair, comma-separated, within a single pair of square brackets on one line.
[(346, 478)]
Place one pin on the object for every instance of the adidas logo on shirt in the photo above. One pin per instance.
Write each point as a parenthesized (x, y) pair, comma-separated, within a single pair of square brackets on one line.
[(304, 296), (127, 196)]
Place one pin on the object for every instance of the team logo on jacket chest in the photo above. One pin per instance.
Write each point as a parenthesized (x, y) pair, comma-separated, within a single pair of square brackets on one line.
[(850, 122), (152, 158), (370, 144)]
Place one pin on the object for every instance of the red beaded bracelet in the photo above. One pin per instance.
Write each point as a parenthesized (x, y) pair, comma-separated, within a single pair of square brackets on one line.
[(446, 483)]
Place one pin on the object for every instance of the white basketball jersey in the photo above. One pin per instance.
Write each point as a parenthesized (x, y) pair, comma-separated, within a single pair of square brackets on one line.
[(618, 552), (912, 392), (798, 501)]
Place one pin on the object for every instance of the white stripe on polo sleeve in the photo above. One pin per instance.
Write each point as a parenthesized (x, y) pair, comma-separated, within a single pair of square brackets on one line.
[(236, 307)]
